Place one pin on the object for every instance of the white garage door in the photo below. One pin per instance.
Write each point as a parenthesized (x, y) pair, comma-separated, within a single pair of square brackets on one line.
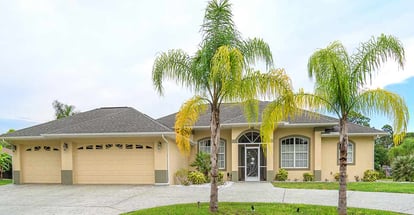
[(41, 164), (114, 163)]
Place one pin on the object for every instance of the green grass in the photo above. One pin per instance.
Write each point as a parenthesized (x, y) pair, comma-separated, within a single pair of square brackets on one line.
[(260, 208), (5, 181), (389, 187)]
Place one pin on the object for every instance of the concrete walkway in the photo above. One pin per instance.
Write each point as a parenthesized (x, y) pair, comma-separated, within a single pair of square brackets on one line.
[(115, 199)]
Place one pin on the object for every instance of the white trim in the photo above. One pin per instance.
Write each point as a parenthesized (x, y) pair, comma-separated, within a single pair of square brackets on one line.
[(90, 135), (280, 124), (336, 134)]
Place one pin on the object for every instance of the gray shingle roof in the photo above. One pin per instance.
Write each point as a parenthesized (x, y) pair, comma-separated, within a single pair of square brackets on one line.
[(233, 114), (101, 120)]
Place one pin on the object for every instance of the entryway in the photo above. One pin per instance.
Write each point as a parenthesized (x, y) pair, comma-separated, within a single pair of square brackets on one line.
[(251, 159)]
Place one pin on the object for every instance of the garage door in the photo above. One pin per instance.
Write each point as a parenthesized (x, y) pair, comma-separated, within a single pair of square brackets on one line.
[(41, 164), (117, 163)]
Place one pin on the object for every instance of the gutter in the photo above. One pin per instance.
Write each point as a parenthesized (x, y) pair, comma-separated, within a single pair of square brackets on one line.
[(281, 124), (168, 161), (336, 134)]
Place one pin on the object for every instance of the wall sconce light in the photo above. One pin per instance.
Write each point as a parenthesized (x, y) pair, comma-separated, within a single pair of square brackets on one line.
[(159, 145), (65, 146), (13, 148)]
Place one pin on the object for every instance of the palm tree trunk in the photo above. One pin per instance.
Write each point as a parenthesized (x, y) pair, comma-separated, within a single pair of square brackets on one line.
[(215, 139), (343, 151)]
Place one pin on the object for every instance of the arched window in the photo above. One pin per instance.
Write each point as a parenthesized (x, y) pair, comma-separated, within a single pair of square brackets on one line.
[(250, 137), (294, 152), (204, 145)]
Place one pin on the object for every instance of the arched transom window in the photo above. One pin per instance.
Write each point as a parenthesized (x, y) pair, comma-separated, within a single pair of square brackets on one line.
[(294, 152), (250, 137)]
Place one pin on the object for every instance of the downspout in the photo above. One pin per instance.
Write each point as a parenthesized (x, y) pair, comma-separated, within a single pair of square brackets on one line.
[(168, 158)]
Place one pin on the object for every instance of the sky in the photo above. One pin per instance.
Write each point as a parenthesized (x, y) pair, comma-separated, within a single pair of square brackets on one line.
[(93, 54)]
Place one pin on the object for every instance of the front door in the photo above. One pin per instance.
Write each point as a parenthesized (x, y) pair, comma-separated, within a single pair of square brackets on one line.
[(252, 164)]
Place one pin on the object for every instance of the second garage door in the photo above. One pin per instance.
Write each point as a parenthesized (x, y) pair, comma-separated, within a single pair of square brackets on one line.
[(114, 163)]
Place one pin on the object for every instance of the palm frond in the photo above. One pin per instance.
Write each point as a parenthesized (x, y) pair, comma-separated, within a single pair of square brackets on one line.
[(373, 53), (186, 117), (172, 65), (255, 50), (383, 102)]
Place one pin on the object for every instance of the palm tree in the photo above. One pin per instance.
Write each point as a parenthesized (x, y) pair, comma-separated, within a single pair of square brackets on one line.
[(218, 72), (340, 88), (63, 110)]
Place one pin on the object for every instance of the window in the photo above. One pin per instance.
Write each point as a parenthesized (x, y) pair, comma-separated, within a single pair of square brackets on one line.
[(350, 155), (205, 146), (294, 152)]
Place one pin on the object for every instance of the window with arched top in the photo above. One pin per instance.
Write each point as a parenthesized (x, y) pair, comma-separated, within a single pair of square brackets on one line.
[(294, 152), (250, 137), (204, 145)]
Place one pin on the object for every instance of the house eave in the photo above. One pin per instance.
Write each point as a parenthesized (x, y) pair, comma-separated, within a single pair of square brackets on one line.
[(336, 134), (280, 125), (90, 135)]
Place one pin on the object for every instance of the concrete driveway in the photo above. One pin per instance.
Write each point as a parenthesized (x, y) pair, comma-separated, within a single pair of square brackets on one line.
[(115, 199)]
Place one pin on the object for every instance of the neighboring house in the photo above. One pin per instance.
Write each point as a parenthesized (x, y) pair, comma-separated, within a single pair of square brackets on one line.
[(121, 145)]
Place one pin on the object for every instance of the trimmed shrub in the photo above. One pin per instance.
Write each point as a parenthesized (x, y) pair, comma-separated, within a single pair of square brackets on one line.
[(370, 176), (403, 168), (196, 177), (221, 177), (307, 176), (181, 177), (281, 175), (336, 176)]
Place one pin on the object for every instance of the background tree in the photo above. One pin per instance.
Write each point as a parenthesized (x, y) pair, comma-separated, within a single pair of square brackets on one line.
[(339, 89), (388, 140), (63, 110), (358, 118), (405, 148), (5, 162), (218, 72)]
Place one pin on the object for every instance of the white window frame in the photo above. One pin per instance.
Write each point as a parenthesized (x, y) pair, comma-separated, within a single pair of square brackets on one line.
[(295, 152), (350, 157), (204, 145)]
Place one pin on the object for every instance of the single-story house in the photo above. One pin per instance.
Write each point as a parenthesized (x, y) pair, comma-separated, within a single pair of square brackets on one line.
[(120, 145)]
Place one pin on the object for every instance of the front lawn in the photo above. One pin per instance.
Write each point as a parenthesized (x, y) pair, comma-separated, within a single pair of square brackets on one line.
[(389, 187), (260, 208), (5, 181)]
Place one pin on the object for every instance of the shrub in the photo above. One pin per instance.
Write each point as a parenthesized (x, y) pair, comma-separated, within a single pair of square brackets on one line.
[(307, 176), (370, 175), (336, 176), (281, 175), (202, 163), (181, 177), (221, 177), (196, 177), (403, 168)]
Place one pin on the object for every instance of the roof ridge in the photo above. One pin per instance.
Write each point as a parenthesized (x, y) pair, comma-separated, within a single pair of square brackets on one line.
[(152, 119)]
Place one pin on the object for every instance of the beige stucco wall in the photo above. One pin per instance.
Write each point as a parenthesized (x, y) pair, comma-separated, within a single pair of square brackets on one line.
[(364, 157), (177, 160)]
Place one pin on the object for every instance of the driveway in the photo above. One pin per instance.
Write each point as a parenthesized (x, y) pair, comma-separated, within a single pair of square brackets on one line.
[(115, 199)]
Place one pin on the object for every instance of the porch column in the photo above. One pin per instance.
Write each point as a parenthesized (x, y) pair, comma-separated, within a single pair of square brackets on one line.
[(270, 174), (16, 164), (317, 172), (235, 132), (66, 153)]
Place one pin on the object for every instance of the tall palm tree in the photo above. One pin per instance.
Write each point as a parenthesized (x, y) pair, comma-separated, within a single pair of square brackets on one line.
[(218, 72), (340, 88)]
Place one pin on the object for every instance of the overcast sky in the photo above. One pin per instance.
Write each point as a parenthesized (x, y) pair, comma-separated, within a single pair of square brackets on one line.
[(100, 53)]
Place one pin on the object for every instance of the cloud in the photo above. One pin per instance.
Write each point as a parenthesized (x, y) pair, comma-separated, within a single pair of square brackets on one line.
[(390, 73)]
